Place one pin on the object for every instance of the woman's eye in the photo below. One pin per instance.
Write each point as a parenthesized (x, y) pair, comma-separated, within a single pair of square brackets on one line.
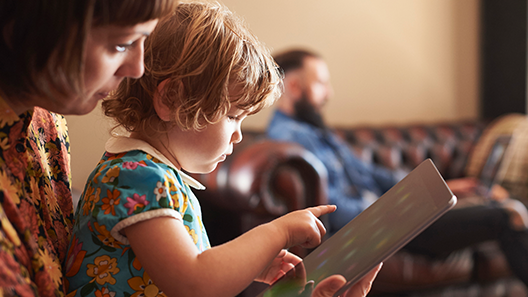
[(232, 118), (122, 47)]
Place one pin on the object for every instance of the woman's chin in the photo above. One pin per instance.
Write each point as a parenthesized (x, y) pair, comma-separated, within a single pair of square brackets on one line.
[(77, 108)]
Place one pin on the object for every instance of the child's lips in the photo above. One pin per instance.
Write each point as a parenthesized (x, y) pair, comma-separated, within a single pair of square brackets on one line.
[(224, 156)]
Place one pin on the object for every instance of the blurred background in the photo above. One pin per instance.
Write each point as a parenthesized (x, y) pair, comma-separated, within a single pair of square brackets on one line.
[(392, 62)]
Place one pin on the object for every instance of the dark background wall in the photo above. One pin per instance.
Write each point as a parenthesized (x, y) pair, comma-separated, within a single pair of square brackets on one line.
[(503, 54)]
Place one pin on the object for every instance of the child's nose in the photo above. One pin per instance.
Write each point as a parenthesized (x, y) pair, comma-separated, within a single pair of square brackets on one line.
[(237, 136)]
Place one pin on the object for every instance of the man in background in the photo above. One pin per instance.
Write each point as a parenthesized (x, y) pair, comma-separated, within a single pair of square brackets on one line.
[(353, 184)]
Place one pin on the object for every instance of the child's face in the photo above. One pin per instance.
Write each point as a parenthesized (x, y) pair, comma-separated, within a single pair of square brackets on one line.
[(201, 151)]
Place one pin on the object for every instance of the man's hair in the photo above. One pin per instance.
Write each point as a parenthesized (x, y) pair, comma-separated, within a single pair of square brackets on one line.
[(42, 42), (210, 60), (293, 59)]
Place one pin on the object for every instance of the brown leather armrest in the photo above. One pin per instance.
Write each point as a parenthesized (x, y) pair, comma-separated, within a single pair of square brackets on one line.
[(266, 177)]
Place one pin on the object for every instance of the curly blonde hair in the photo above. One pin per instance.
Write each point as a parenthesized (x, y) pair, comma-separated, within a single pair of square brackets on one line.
[(204, 52)]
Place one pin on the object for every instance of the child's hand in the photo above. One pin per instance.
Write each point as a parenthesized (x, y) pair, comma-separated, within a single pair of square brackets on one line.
[(302, 227), (330, 285), (280, 265)]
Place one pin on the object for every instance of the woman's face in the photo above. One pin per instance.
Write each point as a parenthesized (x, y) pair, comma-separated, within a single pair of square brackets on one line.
[(111, 54)]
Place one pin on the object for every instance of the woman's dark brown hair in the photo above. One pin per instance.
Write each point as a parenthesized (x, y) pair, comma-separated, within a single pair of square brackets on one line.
[(42, 42)]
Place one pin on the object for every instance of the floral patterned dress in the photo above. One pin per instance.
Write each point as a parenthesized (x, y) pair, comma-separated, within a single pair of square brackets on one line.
[(35, 202), (133, 182)]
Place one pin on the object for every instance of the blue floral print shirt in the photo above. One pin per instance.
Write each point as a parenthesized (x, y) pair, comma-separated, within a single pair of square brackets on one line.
[(133, 182)]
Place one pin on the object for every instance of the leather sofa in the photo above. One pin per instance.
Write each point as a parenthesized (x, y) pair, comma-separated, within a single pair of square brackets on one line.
[(264, 179)]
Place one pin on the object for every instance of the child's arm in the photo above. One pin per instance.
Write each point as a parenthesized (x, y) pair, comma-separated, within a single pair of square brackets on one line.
[(171, 259)]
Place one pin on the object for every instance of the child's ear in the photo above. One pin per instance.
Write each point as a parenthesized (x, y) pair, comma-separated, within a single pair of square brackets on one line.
[(162, 110)]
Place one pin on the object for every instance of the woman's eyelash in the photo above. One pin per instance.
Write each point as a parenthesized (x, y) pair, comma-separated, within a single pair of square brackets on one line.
[(125, 46), (122, 47)]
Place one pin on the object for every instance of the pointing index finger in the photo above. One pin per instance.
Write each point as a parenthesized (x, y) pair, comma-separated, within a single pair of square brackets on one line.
[(322, 209)]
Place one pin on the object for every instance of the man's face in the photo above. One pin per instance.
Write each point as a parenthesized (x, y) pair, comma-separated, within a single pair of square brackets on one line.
[(315, 82), (307, 112)]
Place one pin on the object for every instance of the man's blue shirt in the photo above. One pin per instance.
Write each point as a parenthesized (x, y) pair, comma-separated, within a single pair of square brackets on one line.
[(350, 180)]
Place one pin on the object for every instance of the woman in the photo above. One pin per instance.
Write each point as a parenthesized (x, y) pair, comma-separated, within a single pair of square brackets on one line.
[(57, 57)]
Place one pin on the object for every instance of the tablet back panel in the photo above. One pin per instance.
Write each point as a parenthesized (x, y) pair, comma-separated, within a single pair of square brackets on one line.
[(379, 231)]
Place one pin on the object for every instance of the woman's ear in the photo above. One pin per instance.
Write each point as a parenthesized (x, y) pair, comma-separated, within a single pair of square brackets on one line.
[(164, 112)]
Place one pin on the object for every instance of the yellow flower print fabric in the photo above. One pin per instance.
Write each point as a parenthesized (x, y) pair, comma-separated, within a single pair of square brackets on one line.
[(120, 191), (36, 209)]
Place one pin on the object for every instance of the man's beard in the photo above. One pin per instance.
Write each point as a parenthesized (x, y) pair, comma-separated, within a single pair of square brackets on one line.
[(308, 113)]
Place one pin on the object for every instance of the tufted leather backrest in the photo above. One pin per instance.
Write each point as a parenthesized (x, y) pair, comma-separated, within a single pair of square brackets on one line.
[(402, 148)]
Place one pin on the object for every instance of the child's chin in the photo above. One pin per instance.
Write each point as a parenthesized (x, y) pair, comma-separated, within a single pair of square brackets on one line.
[(204, 170), (212, 169)]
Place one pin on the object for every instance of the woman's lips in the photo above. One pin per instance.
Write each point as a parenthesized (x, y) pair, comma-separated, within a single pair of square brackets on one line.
[(102, 95)]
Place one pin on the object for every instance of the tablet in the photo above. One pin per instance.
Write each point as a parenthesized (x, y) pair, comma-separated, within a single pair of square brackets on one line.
[(375, 234)]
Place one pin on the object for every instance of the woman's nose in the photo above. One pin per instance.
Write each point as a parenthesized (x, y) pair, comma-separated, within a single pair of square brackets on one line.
[(133, 66)]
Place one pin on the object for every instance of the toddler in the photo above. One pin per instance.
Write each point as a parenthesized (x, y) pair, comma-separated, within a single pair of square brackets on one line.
[(138, 229)]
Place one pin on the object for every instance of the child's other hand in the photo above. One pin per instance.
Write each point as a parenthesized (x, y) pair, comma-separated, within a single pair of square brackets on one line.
[(330, 285), (302, 227), (280, 265)]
